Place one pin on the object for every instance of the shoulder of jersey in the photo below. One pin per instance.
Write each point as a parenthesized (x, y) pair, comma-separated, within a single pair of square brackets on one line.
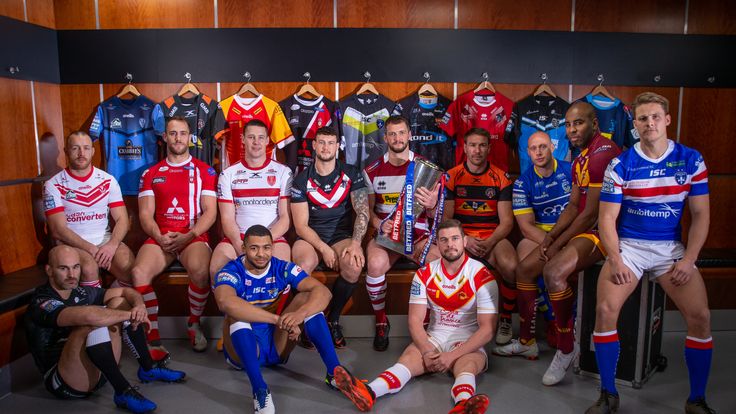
[(279, 165), (374, 165)]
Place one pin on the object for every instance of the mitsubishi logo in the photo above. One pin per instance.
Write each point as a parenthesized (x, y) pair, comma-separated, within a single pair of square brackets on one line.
[(175, 207)]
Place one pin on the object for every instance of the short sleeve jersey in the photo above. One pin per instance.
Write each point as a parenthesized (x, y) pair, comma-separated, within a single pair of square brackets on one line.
[(362, 124), (178, 190), (615, 120), (427, 139), (652, 192), (455, 300), (545, 197), (590, 165), (200, 112), (85, 201), (255, 192), (328, 198), (305, 117), (46, 339), (261, 290), (236, 111), (476, 197)]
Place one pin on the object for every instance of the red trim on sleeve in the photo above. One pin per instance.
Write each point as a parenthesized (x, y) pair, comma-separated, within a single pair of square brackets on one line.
[(54, 211), (116, 204)]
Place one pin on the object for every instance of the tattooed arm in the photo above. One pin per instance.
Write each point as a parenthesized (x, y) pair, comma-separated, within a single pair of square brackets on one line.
[(359, 199)]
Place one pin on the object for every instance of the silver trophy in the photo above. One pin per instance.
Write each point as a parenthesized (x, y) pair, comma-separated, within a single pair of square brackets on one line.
[(426, 175)]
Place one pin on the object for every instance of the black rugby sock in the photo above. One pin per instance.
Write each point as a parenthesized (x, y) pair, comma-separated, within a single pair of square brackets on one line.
[(342, 291), (136, 341), (99, 351)]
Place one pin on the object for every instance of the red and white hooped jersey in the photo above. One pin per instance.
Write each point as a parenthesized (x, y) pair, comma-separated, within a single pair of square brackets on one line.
[(255, 191), (455, 300), (178, 190), (86, 201)]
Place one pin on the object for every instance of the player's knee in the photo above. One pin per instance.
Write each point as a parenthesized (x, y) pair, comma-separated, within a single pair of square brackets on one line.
[(307, 262), (607, 310), (139, 276), (554, 277), (698, 318), (378, 265), (350, 272)]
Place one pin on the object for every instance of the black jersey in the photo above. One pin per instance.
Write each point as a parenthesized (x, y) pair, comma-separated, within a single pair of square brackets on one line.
[(46, 338), (427, 139), (305, 117), (329, 199), (200, 112)]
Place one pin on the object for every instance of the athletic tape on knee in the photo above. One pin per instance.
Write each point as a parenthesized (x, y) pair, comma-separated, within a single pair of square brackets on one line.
[(98, 336), (236, 326)]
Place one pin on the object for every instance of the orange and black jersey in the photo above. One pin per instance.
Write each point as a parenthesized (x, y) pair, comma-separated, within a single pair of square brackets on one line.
[(476, 197)]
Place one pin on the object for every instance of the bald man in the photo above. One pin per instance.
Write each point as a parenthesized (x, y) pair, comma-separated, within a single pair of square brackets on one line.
[(540, 194), (573, 244), (88, 197), (74, 335)]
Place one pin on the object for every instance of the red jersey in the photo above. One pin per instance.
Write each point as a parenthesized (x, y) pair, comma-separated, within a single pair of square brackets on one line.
[(590, 165), (490, 112), (177, 190)]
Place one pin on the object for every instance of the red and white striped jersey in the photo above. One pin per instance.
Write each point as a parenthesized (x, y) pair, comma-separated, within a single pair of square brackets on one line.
[(84, 200), (178, 190), (255, 191)]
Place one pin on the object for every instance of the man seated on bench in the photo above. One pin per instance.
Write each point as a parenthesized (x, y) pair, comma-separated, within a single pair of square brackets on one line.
[(74, 335), (88, 197)]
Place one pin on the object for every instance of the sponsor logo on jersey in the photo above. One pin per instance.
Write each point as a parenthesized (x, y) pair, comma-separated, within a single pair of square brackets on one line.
[(204, 107), (164, 168), (175, 209), (70, 195), (130, 151), (240, 181), (211, 171), (224, 277), (48, 202), (51, 305), (159, 180), (116, 123), (475, 206), (428, 137), (553, 211), (461, 192), (665, 212), (381, 185), (81, 217), (255, 175), (128, 116), (607, 186), (191, 113)]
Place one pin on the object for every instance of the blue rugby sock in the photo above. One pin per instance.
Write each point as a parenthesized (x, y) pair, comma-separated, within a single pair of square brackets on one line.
[(698, 355), (316, 328), (607, 347), (244, 342)]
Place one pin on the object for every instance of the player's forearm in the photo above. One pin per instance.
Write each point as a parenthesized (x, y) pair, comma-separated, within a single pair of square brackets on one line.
[(697, 234), (416, 328), (92, 316), (564, 221), (150, 227), (243, 311), (280, 227), (500, 233), (122, 225), (204, 222), (532, 232), (361, 207), (609, 237), (319, 298), (132, 297)]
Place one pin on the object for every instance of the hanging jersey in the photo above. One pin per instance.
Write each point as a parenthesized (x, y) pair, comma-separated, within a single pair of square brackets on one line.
[(652, 192), (305, 117), (328, 198), (46, 339), (177, 190), (455, 300), (362, 122), (262, 290), (85, 201), (255, 192), (128, 141), (385, 182), (200, 112), (539, 113), (235, 111), (615, 120), (590, 165), (427, 139), (545, 197), (476, 198), (490, 112)]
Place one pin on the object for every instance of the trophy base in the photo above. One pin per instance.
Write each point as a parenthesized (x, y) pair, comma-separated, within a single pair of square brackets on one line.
[(386, 242)]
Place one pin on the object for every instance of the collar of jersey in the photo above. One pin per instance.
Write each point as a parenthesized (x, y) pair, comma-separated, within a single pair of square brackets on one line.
[(309, 102), (78, 178), (411, 156), (454, 275), (670, 148), (247, 103), (484, 104), (254, 276), (260, 167), (605, 102), (127, 103), (187, 161), (554, 169)]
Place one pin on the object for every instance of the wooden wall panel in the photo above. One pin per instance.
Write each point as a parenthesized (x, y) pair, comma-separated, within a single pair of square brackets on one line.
[(395, 90), (12, 9), (708, 124), (41, 12), (435, 14), (156, 14), (514, 15), (18, 131), (19, 247), (50, 127), (722, 202), (275, 13), (75, 14), (716, 17), (78, 106), (639, 16)]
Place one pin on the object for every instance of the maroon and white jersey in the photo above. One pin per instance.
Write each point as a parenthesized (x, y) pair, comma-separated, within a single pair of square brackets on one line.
[(255, 191), (85, 201), (455, 300), (178, 190)]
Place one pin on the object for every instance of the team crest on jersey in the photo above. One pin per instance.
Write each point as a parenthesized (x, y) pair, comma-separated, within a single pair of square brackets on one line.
[(566, 186), (462, 192), (51, 305), (271, 180), (681, 177), (490, 192), (142, 122)]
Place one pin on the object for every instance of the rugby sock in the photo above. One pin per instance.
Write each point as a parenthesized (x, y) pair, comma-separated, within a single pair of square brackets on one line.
[(391, 380), (316, 328), (607, 348), (508, 299), (197, 301), (99, 351), (136, 341), (464, 387), (244, 342), (698, 355), (543, 304), (151, 301), (342, 291), (91, 283), (562, 304), (376, 287), (527, 310)]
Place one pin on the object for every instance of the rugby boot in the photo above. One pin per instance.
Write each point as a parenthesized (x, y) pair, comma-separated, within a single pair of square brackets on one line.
[(559, 366), (263, 402), (196, 337), (698, 406), (477, 404), (160, 373), (530, 350), (133, 401), (337, 337), (159, 353), (504, 332), (380, 341), (606, 404), (356, 390)]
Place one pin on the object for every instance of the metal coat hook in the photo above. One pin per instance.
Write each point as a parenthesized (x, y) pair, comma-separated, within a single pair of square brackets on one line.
[(600, 79), (247, 76), (426, 77), (129, 77), (308, 76), (657, 78), (367, 76), (544, 78), (188, 77), (13, 70), (711, 79), (484, 76)]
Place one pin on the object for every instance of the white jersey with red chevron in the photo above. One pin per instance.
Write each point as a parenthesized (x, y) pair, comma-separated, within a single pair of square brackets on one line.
[(455, 300), (84, 200), (255, 191), (178, 189)]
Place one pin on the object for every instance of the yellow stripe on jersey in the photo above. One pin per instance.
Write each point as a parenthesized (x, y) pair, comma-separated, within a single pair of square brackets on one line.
[(521, 211)]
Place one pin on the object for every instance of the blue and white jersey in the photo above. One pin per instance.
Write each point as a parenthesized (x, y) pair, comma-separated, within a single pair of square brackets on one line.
[(128, 140), (545, 197), (262, 290), (652, 192)]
